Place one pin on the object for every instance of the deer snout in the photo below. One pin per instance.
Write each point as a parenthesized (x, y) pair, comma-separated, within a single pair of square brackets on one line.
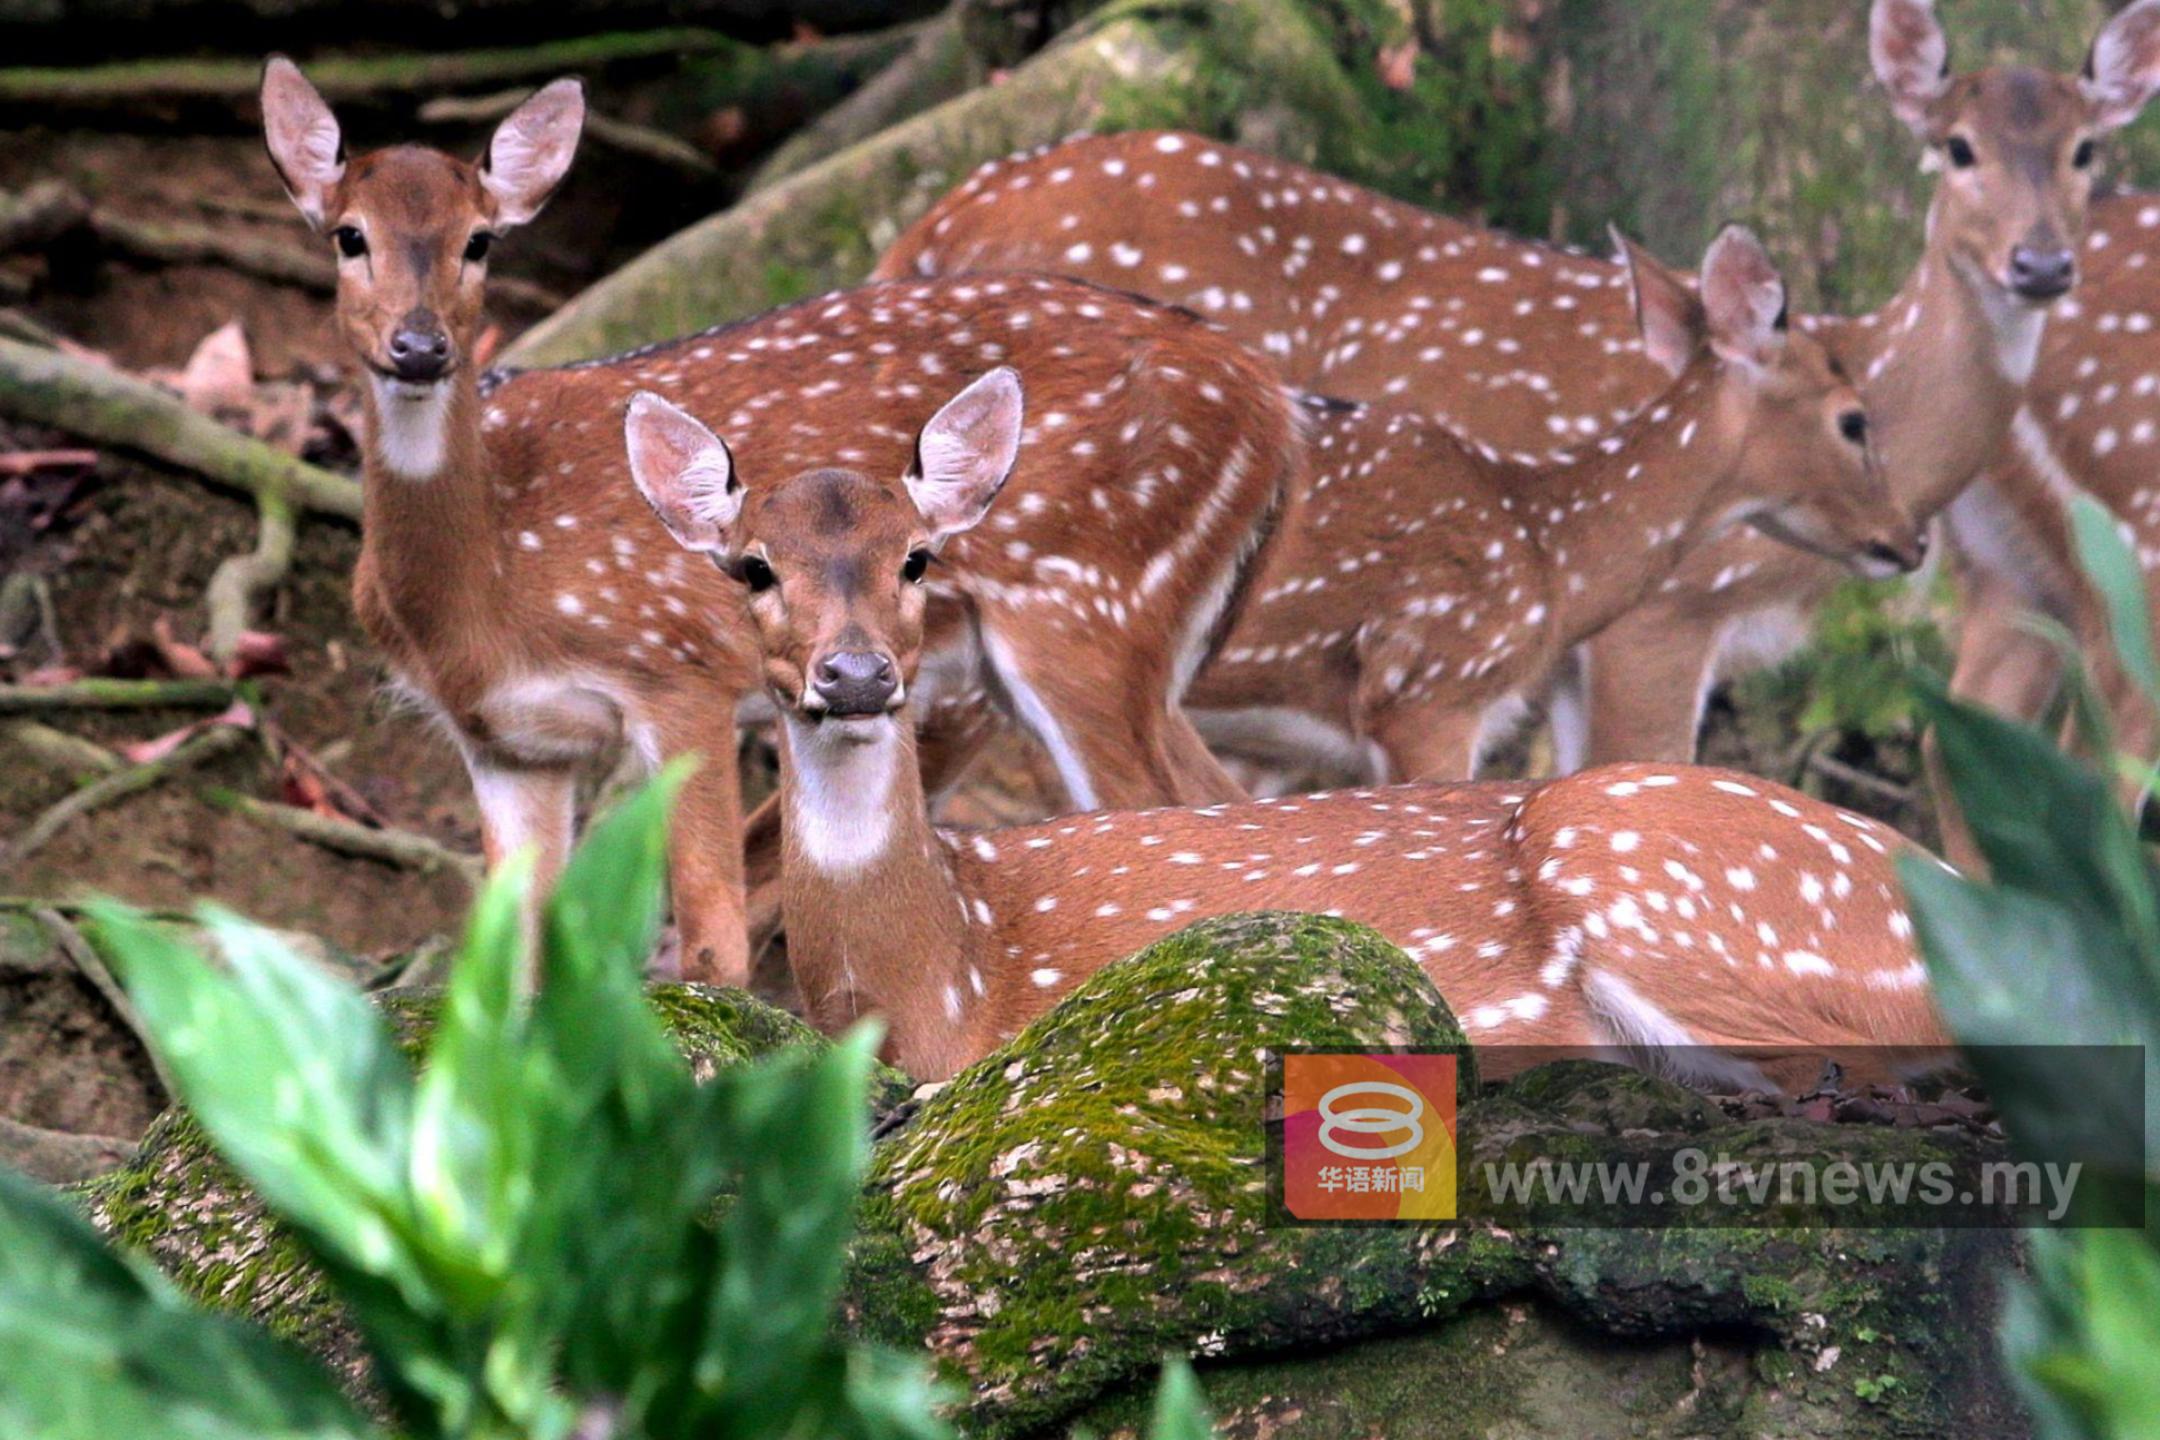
[(856, 683), (2042, 272), (1898, 554), (419, 351)]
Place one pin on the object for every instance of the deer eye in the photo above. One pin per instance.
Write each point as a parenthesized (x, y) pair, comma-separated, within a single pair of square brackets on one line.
[(350, 242), (476, 249), (1960, 151), (755, 573), (912, 569), (2082, 157), (1853, 426)]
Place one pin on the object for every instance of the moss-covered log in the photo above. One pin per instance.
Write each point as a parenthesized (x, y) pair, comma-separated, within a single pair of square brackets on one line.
[(56, 389), (824, 226)]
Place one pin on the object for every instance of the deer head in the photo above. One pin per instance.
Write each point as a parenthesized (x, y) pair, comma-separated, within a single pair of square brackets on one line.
[(412, 230), (831, 561), (1807, 474), (2015, 146)]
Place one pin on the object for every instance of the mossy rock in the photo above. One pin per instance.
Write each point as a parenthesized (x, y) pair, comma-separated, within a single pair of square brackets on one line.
[(180, 1205), (1096, 1192)]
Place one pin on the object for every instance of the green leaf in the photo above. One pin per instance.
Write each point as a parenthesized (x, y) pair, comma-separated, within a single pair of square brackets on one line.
[(1181, 1410), (293, 1074), (2017, 977), (94, 1346), (2113, 568), (798, 1131), (2046, 823)]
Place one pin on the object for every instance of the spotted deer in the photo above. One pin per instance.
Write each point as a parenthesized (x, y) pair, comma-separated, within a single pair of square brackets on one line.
[(1521, 344), (531, 602), (1421, 583), (1634, 907), (2091, 425)]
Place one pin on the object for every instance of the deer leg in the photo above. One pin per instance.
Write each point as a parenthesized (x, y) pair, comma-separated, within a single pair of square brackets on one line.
[(522, 807), (1649, 676), (1107, 719), (1428, 742), (2004, 667), (705, 841)]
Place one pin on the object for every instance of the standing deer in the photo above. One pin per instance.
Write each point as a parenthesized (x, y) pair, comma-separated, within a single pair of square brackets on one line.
[(1422, 584), (1520, 344), (530, 601), (1632, 907), (2091, 424)]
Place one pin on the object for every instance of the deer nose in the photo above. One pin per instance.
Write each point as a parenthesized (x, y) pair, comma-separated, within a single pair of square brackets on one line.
[(1903, 555), (856, 682), (2041, 273), (419, 354)]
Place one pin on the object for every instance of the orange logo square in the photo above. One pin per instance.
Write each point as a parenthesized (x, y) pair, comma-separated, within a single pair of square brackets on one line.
[(1369, 1136)]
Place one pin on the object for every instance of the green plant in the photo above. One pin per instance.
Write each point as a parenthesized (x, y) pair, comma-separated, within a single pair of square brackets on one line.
[(549, 1230), (2062, 945)]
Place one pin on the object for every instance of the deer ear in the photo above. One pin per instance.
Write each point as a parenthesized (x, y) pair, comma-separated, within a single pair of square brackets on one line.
[(532, 149), (302, 134), (1743, 298), (965, 453), (1912, 59), (2123, 69), (1666, 310), (684, 472)]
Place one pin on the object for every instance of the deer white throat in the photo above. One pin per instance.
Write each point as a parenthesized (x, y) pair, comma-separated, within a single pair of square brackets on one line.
[(412, 423), (839, 802)]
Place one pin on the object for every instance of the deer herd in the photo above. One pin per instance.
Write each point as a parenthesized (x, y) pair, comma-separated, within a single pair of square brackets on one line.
[(1158, 448)]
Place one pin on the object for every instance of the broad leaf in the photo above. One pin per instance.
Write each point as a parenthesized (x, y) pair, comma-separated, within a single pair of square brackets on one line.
[(2112, 567), (93, 1346), (1181, 1411)]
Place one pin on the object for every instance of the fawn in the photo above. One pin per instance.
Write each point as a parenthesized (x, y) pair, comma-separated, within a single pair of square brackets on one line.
[(1423, 583), (1519, 343), (1628, 907), (532, 604)]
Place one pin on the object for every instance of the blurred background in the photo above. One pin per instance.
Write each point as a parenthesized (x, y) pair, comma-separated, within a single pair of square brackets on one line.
[(742, 154)]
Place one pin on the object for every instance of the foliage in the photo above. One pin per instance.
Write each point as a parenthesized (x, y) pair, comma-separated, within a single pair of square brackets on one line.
[(2068, 929), (523, 1229), (1857, 673)]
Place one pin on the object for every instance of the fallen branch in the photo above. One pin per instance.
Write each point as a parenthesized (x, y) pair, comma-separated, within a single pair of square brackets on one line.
[(240, 580), (84, 958), (1832, 768), (400, 848), (104, 405), (30, 462), (14, 325), (930, 70), (134, 82), (69, 754), (33, 218), (640, 141), (115, 695), (119, 785), (57, 1157)]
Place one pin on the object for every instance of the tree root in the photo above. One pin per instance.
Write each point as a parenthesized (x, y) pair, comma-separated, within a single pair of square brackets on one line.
[(85, 958), (86, 399), (241, 580), (400, 848), (930, 70), (57, 1157), (135, 82), (71, 755), (118, 785), (115, 695)]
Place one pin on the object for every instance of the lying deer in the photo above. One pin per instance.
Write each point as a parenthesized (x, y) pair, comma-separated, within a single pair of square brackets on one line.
[(1630, 907), (530, 602), (1521, 345), (1422, 584)]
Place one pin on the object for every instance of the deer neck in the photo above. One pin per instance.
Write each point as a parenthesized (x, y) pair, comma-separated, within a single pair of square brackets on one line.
[(1617, 518), (1942, 369), (876, 919), (431, 543)]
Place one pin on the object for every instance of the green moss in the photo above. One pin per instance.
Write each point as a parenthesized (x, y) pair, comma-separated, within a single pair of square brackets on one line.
[(1096, 1192)]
